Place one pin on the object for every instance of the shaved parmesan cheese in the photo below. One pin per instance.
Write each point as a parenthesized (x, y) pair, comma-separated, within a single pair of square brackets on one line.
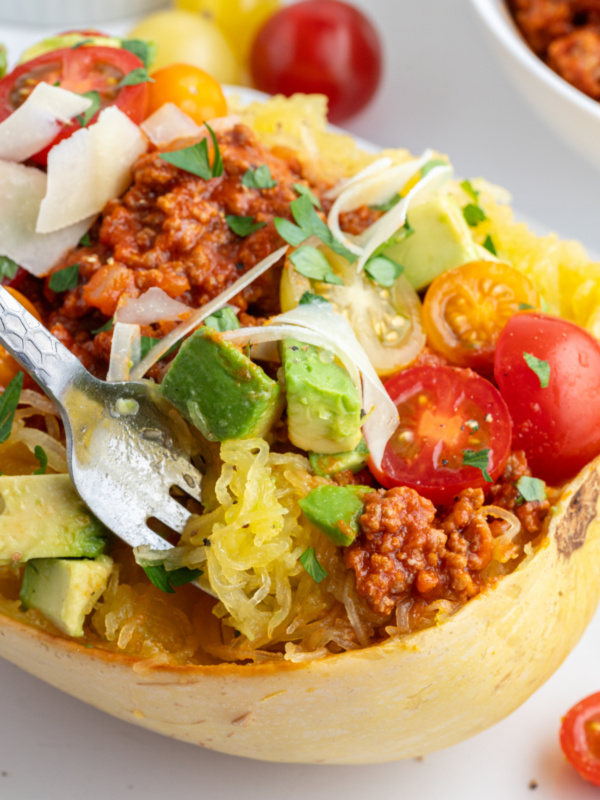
[(157, 352), (373, 168), (322, 327), (155, 305), (124, 351), (89, 168), (169, 124), (35, 123), (21, 192)]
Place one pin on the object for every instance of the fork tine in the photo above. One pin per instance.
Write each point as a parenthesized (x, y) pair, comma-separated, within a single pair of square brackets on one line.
[(172, 514)]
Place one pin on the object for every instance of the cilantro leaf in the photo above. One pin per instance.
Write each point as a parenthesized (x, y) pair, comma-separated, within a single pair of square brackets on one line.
[(194, 159), (541, 368), (305, 191), (259, 178), (106, 327), (41, 456), (8, 268), (479, 459), (225, 319), (531, 489), (64, 279), (489, 245), (311, 263), (468, 189), (310, 299), (85, 240), (9, 400), (311, 223), (289, 232), (473, 214), (217, 166), (167, 580), (389, 204), (137, 75), (148, 342), (432, 164), (383, 270), (309, 561), (94, 96), (243, 226), (144, 49)]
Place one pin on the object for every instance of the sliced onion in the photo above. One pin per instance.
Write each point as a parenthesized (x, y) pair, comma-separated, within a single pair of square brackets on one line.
[(124, 351), (35, 123), (195, 319), (38, 401), (154, 305), (169, 124), (374, 167), (322, 327), (514, 526), (56, 452)]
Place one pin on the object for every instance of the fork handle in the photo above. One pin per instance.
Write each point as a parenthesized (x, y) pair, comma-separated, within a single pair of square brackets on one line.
[(39, 352)]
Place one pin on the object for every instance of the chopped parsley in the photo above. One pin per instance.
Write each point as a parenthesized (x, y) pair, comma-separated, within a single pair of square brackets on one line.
[(64, 279), (9, 400), (468, 189), (310, 299), (243, 226), (225, 319), (531, 489), (489, 245), (167, 580), (474, 214), (383, 270), (541, 368), (389, 204), (85, 240), (94, 96), (289, 232), (195, 160), (311, 263), (479, 459), (305, 191), (148, 342), (106, 327), (259, 178), (309, 561), (8, 268), (311, 224), (133, 78), (41, 456), (143, 49)]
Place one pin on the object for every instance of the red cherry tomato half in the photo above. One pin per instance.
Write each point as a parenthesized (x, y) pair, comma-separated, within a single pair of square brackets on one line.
[(80, 70), (322, 46), (558, 426), (580, 738), (445, 412)]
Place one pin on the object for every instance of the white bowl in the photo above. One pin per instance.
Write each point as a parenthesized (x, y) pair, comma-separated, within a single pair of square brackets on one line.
[(73, 12), (573, 115)]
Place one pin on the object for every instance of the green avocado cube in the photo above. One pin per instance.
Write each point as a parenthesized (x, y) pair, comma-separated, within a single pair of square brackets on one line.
[(220, 390), (325, 464), (43, 516), (323, 406), (335, 511), (65, 590)]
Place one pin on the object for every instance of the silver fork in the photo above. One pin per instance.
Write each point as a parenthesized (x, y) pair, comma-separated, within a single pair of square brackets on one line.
[(122, 450)]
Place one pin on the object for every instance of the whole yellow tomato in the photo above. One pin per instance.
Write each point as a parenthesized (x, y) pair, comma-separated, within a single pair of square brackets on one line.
[(187, 38), (238, 19), (191, 89)]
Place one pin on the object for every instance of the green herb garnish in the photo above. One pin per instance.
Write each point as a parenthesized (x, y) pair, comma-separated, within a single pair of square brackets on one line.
[(41, 456), (541, 368), (531, 489), (468, 189), (259, 178), (310, 299), (133, 78), (106, 327), (225, 319), (289, 232), (311, 263), (305, 191), (243, 226), (473, 214), (432, 164), (64, 279), (389, 204), (94, 96), (167, 580), (143, 49), (383, 270), (85, 241), (309, 561), (479, 459), (489, 245), (525, 307), (148, 342), (8, 268), (195, 160), (311, 224), (9, 400)]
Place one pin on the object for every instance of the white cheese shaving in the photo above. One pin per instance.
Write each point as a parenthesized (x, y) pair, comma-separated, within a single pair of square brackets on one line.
[(154, 305), (124, 351), (90, 168), (21, 192), (35, 123), (169, 124), (375, 167)]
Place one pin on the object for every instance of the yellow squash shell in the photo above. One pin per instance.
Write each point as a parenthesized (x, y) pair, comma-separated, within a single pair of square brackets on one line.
[(404, 698)]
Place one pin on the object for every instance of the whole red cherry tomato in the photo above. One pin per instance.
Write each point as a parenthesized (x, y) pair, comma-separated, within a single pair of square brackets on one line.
[(580, 738), (450, 419), (319, 46), (80, 70), (548, 371)]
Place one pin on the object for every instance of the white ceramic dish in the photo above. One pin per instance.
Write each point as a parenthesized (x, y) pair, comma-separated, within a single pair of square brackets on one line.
[(73, 12), (570, 113)]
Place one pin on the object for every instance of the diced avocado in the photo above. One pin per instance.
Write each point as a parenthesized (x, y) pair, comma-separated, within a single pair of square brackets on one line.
[(441, 240), (219, 390), (67, 40), (225, 319), (324, 464), (323, 406), (42, 516), (335, 511), (65, 590)]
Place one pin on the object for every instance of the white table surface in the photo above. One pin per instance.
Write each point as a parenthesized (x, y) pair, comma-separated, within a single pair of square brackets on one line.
[(443, 89)]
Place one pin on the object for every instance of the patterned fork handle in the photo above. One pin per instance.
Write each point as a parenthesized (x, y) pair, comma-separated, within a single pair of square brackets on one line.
[(37, 351)]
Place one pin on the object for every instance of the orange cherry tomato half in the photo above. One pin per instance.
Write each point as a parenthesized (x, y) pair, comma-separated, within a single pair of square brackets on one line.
[(580, 738), (8, 366), (191, 89), (466, 309), (447, 416), (79, 70)]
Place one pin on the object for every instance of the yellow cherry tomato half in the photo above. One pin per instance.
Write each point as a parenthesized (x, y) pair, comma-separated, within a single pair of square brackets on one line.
[(191, 89), (466, 308), (8, 366)]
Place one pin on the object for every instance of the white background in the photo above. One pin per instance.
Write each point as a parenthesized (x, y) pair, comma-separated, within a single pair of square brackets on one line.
[(442, 88)]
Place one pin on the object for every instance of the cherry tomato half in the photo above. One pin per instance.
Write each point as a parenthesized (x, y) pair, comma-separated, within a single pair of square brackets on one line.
[(558, 425), (8, 366), (322, 46), (580, 738), (191, 89), (445, 414), (466, 308), (79, 70)]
